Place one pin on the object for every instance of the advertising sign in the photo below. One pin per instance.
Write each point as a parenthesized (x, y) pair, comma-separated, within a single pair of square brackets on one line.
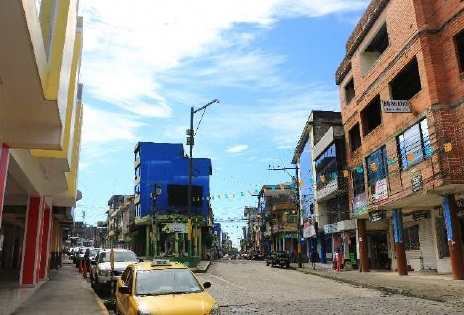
[(175, 228), (359, 204), (380, 190), (395, 106)]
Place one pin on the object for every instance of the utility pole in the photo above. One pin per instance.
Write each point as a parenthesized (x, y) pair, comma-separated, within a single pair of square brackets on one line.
[(191, 142), (296, 182)]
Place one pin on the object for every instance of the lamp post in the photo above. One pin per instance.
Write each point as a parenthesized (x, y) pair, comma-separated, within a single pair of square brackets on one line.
[(298, 224), (154, 242), (191, 142)]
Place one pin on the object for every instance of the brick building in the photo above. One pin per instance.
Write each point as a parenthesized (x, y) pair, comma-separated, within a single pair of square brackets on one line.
[(401, 91)]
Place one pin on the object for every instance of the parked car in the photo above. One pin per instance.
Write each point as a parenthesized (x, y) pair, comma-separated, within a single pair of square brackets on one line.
[(100, 270), (279, 258), (163, 287)]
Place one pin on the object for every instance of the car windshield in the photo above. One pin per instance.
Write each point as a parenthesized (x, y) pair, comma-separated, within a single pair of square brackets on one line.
[(119, 257), (166, 281)]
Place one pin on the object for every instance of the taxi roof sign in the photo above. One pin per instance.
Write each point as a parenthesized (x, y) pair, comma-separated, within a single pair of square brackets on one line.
[(160, 262)]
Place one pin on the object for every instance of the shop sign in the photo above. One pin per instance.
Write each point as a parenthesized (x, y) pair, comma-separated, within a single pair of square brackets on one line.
[(175, 228), (380, 190), (376, 216), (331, 228), (359, 205), (419, 215), (416, 181), (290, 235), (395, 106)]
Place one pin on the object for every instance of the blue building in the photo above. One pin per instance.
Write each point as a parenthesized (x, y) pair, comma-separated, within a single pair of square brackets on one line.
[(165, 166)]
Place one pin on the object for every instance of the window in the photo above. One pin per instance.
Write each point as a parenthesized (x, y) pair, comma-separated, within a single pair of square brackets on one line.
[(349, 91), (358, 181), (178, 195), (377, 168), (371, 116), (411, 238), (355, 138), (326, 166), (459, 42), (414, 144), (407, 83), (375, 49)]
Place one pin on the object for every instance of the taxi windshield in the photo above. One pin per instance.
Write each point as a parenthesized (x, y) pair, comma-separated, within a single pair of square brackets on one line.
[(166, 281)]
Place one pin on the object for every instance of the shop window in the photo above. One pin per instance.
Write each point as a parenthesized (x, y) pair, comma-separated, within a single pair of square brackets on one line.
[(371, 116), (414, 144), (349, 91), (375, 49), (357, 176), (407, 83), (355, 138), (459, 43), (411, 238)]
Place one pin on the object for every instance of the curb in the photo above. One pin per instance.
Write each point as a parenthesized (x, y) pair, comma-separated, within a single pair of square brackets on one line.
[(202, 270), (381, 288)]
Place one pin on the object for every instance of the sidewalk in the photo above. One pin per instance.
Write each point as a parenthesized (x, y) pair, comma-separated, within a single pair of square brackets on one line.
[(67, 292), (427, 284)]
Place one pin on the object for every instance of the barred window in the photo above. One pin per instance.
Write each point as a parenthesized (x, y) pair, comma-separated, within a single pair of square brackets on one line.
[(411, 238), (414, 144), (357, 176)]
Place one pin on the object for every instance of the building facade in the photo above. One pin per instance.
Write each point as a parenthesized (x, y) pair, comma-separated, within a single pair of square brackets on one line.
[(401, 94), (161, 200), (40, 129)]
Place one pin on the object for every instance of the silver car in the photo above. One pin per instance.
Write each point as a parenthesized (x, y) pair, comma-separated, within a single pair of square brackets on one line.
[(100, 270)]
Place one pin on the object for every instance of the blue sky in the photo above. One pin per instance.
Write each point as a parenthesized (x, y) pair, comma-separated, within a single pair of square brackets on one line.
[(269, 63)]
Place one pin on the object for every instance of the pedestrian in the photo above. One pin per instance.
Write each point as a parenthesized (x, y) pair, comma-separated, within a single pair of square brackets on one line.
[(338, 260), (312, 259), (86, 263)]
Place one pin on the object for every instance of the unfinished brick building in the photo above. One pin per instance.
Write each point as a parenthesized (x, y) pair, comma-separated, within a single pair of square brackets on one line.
[(402, 92)]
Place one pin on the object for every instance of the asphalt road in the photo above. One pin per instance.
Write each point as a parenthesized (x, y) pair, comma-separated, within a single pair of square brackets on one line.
[(250, 287)]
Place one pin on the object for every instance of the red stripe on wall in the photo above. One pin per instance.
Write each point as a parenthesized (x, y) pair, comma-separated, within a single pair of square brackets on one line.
[(28, 268), (45, 244)]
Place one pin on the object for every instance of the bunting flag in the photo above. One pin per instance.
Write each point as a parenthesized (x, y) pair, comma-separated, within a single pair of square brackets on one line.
[(359, 169), (345, 173), (448, 147), (373, 167)]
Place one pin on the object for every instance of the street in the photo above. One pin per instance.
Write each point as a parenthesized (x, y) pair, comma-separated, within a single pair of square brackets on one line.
[(250, 287)]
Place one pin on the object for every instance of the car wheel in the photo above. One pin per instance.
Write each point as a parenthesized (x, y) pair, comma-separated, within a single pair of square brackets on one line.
[(96, 285)]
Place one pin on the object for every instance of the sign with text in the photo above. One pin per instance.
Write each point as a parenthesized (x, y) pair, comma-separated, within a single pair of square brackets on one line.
[(380, 190), (395, 106), (359, 204)]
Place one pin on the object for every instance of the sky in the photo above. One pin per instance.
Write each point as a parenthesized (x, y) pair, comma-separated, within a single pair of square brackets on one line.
[(146, 63)]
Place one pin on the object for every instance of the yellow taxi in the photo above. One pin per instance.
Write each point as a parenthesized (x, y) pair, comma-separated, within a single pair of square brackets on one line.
[(162, 287)]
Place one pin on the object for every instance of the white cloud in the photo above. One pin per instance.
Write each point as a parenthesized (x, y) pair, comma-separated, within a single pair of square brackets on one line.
[(128, 51), (103, 127), (237, 148)]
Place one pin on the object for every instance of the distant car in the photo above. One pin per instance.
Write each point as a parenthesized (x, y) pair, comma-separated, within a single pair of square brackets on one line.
[(162, 287), (100, 270), (279, 258)]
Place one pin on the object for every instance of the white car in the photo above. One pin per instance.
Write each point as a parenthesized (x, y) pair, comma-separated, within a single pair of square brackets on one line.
[(100, 270)]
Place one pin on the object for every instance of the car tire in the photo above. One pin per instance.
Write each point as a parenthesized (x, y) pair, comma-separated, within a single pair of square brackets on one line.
[(96, 286)]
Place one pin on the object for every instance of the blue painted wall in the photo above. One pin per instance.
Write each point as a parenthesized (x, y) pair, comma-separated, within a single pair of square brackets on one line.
[(166, 164)]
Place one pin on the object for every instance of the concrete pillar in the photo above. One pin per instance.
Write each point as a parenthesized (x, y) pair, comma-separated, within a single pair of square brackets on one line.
[(4, 160), (398, 232), (454, 237), (46, 243), (323, 249), (363, 249), (31, 248)]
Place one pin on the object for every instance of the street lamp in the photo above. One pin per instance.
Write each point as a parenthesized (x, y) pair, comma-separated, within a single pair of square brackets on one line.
[(298, 224), (191, 142), (154, 242)]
